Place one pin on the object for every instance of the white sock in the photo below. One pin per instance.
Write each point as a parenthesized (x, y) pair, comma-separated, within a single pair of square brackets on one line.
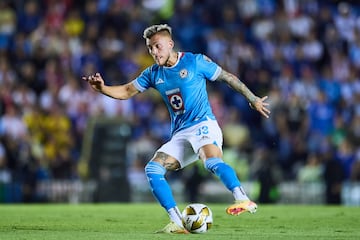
[(239, 194), (175, 216)]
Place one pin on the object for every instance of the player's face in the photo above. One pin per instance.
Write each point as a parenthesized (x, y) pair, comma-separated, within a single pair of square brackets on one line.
[(160, 47)]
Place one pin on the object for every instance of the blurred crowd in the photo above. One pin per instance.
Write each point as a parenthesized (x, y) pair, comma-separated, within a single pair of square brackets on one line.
[(305, 55)]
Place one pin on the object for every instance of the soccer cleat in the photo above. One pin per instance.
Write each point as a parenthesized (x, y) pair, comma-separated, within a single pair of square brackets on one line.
[(173, 228), (240, 207)]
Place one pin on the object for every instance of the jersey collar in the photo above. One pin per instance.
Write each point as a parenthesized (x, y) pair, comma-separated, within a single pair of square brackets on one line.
[(179, 55)]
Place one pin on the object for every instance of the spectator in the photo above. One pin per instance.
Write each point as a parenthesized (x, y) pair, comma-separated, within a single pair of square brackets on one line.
[(30, 17), (5, 174), (333, 176), (312, 171)]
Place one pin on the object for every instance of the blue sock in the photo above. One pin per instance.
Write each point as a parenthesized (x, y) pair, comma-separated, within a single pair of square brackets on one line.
[(226, 173), (155, 173)]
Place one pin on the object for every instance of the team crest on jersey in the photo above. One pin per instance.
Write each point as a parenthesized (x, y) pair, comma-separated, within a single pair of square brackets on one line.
[(176, 101), (183, 73)]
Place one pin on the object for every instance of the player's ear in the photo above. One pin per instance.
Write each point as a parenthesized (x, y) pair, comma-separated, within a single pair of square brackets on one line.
[(171, 43)]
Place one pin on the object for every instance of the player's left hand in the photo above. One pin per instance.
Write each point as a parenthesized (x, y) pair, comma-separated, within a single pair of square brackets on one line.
[(261, 106)]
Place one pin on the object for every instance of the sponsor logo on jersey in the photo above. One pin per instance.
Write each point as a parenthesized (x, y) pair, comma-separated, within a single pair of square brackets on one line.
[(176, 101)]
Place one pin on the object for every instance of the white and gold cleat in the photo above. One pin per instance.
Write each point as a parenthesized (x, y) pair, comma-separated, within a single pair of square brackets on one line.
[(173, 228)]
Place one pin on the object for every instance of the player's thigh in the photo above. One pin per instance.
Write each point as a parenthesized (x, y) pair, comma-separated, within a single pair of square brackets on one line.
[(210, 151), (171, 154)]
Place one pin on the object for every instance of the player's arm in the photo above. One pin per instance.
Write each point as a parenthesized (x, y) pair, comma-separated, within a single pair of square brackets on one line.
[(121, 92), (255, 102)]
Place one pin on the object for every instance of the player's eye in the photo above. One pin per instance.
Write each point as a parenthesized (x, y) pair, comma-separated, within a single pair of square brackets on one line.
[(158, 46)]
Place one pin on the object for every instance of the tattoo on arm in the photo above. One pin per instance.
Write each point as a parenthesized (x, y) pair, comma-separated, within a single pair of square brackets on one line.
[(236, 84)]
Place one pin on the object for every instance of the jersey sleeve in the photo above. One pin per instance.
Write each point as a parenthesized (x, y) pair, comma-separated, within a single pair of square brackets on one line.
[(209, 68), (143, 81)]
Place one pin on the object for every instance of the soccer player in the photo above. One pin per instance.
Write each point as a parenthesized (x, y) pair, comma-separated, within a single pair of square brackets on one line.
[(180, 78)]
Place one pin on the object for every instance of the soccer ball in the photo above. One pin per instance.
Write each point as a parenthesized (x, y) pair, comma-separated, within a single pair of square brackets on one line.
[(197, 218)]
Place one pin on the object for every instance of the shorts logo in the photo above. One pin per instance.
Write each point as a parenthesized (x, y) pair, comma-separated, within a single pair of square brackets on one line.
[(183, 73), (176, 101), (204, 138)]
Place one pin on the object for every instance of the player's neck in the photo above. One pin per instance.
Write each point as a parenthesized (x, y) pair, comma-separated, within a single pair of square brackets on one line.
[(172, 59)]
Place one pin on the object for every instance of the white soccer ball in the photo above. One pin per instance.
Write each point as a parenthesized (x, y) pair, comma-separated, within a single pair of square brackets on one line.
[(197, 218)]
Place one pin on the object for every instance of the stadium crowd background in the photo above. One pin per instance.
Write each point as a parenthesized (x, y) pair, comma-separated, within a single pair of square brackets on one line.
[(305, 55)]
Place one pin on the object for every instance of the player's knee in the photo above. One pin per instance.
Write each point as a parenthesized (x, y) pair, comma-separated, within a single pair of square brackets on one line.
[(154, 168), (169, 162), (211, 163)]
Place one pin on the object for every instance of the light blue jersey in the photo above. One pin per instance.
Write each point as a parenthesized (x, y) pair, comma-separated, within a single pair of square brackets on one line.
[(183, 88)]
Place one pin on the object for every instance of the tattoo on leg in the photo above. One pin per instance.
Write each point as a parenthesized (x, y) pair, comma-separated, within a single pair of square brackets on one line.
[(168, 162), (172, 166), (161, 157)]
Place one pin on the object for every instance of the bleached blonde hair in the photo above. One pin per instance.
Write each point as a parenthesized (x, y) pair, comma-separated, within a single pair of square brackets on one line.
[(152, 30)]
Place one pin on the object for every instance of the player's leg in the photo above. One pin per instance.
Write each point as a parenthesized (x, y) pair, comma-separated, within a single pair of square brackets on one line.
[(207, 141), (212, 158), (155, 171), (211, 155)]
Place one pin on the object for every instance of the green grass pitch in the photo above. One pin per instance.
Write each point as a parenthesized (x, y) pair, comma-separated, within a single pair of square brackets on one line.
[(139, 221)]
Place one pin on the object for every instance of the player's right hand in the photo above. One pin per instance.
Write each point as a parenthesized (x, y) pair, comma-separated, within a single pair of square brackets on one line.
[(261, 106), (95, 81)]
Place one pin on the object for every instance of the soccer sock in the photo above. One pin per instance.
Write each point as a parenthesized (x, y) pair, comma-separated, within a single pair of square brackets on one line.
[(155, 173), (175, 215), (227, 175), (239, 194)]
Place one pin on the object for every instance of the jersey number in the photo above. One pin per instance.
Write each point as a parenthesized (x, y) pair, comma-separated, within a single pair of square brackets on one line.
[(202, 130)]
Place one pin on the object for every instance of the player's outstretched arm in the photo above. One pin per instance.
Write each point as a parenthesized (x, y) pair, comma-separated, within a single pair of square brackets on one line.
[(122, 92), (255, 102)]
